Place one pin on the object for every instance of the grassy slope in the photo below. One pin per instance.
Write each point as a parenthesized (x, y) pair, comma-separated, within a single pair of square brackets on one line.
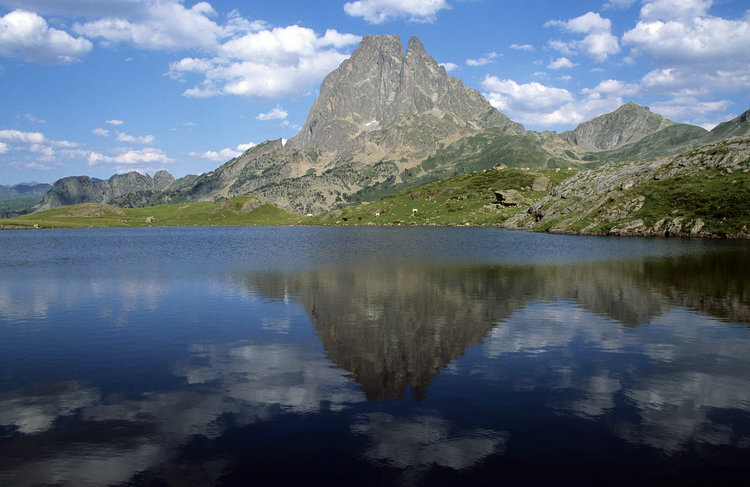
[(465, 199), (242, 210), (721, 200)]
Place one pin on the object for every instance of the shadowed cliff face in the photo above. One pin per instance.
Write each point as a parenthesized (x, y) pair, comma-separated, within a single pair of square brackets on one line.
[(395, 327)]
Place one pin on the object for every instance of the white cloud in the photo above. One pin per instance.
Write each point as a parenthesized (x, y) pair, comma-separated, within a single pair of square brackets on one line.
[(599, 42), (522, 47), (4, 148), (101, 132), (379, 11), (560, 63), (692, 109), (545, 106), (511, 97), (277, 113), (160, 25), (244, 147), (147, 155), (486, 59), (224, 154), (27, 35), (17, 136), (131, 139), (674, 9), (694, 53), (114, 122), (449, 66), (266, 64), (706, 40), (612, 87)]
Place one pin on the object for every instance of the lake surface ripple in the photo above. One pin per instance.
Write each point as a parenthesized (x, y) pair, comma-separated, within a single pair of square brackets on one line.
[(371, 356)]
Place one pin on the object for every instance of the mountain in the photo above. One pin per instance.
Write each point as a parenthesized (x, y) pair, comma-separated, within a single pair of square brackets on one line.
[(380, 113), (23, 190), (629, 123), (410, 106), (388, 120), (19, 199), (735, 127), (83, 189)]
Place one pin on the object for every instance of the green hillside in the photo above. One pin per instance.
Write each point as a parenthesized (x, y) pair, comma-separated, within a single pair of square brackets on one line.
[(242, 210), (465, 199)]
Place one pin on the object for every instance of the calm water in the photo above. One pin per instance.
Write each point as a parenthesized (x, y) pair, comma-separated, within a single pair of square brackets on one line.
[(370, 356)]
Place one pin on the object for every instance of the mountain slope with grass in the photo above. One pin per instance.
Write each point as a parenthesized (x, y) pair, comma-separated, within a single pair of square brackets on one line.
[(704, 192), (239, 211)]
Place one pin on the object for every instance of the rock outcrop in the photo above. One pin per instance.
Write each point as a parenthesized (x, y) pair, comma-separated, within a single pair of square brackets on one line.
[(703, 192)]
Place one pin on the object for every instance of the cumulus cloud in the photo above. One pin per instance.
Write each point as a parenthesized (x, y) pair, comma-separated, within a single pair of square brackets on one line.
[(132, 139), (236, 56), (27, 35), (17, 136), (160, 25), (114, 122), (146, 155), (545, 106), (695, 55), (379, 11), (599, 42), (277, 113), (674, 9), (486, 59), (449, 66), (692, 109), (4, 148), (100, 132), (266, 64), (224, 154), (700, 41), (560, 63)]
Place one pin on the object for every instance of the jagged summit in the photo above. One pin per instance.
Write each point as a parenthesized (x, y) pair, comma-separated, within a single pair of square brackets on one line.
[(370, 97)]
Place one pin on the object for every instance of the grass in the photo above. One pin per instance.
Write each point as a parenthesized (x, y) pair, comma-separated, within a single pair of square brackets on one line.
[(461, 200), (239, 211), (721, 200)]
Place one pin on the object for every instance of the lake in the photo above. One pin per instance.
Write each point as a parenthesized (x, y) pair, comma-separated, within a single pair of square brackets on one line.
[(371, 356)]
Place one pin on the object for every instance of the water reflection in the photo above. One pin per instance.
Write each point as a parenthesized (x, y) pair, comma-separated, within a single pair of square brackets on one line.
[(651, 351), (417, 443), (394, 328)]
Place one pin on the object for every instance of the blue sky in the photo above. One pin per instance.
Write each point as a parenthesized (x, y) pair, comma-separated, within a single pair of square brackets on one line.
[(99, 87)]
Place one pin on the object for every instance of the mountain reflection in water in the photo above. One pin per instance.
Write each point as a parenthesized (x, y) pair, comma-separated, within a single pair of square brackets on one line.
[(379, 373), (396, 327)]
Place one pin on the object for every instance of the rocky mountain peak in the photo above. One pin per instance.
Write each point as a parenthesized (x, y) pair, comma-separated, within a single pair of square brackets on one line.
[(629, 123), (381, 87)]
